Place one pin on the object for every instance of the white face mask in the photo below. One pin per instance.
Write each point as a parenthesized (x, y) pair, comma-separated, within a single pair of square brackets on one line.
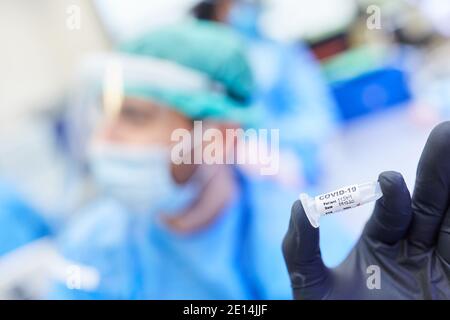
[(140, 178)]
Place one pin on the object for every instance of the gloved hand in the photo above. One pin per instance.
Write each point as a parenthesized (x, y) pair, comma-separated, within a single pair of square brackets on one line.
[(404, 250)]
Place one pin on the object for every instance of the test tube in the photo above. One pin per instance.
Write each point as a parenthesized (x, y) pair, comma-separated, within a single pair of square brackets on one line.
[(338, 200)]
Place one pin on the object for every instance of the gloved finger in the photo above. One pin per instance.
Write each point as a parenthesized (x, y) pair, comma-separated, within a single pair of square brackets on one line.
[(392, 213), (431, 194), (308, 274), (443, 246)]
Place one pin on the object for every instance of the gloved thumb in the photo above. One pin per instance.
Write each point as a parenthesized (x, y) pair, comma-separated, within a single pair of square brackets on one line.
[(392, 213), (308, 274)]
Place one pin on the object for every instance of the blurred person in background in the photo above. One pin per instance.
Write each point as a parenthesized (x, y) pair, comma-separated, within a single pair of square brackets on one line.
[(290, 88), (295, 98), (156, 230)]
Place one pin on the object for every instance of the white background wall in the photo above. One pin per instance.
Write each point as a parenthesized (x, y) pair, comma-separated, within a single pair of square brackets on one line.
[(38, 55)]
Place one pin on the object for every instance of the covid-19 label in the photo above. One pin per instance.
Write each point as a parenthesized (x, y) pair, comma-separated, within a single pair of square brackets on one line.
[(340, 199)]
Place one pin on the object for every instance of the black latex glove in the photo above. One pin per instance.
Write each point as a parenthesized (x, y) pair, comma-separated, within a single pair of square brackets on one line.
[(407, 241)]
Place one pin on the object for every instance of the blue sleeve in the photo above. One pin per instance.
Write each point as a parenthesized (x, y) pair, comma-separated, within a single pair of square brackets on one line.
[(270, 214), (97, 238), (307, 79), (309, 110), (19, 222)]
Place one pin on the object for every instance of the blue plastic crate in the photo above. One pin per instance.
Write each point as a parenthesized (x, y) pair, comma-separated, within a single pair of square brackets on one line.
[(371, 92)]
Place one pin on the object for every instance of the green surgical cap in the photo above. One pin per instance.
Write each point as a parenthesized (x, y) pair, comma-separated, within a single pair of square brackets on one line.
[(208, 48)]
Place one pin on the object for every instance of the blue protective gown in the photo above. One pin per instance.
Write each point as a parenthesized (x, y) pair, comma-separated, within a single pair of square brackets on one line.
[(19, 223), (237, 257)]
